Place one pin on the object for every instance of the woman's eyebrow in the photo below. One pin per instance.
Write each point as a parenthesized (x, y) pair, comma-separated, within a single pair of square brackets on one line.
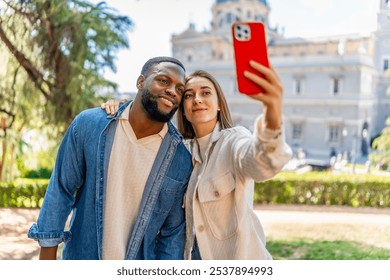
[(203, 87)]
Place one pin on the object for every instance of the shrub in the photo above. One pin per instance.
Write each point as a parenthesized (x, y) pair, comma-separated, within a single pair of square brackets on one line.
[(39, 173), (315, 188), (323, 188), (23, 193)]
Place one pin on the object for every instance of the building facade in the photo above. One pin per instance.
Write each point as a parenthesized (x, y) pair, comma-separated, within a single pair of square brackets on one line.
[(335, 87)]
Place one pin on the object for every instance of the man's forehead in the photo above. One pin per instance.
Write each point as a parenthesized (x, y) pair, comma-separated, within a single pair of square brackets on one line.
[(166, 67)]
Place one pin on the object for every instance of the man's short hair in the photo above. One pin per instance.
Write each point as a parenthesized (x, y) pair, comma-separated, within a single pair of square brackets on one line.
[(157, 60)]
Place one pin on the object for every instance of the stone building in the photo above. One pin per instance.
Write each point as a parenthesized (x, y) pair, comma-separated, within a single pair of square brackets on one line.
[(334, 87)]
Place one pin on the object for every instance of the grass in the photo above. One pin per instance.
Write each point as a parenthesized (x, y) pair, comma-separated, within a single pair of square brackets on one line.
[(324, 250), (326, 233)]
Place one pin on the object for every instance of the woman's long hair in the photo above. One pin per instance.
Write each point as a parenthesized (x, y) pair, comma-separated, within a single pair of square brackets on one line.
[(223, 117)]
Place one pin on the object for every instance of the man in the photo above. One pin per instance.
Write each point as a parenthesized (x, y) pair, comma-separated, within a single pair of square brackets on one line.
[(123, 177)]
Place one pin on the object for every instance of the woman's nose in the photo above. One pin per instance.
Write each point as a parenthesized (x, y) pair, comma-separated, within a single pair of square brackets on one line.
[(197, 99)]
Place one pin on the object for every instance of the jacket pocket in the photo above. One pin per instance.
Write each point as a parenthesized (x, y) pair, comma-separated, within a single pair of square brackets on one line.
[(169, 195), (172, 186), (216, 198)]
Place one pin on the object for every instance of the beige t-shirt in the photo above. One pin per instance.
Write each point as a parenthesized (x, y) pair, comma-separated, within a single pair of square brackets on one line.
[(130, 163), (203, 143)]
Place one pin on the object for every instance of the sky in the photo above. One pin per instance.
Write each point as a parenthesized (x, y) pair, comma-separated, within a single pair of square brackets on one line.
[(155, 21)]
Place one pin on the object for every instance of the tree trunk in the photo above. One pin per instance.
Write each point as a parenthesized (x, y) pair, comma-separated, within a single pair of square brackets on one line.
[(3, 157), (11, 163)]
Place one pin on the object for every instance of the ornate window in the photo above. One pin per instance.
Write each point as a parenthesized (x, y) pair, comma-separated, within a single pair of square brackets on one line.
[(297, 131), (334, 134), (298, 86), (335, 86), (386, 63)]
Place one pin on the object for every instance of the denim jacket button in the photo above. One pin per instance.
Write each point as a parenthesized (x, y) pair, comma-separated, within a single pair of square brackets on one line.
[(216, 193)]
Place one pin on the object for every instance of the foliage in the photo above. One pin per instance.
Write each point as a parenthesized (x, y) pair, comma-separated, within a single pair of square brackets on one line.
[(381, 145), (23, 193), (324, 250), (323, 188), (53, 55), (316, 188), (36, 164), (69, 44), (39, 173)]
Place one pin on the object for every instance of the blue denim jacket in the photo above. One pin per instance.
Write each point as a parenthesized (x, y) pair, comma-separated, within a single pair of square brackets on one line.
[(77, 185)]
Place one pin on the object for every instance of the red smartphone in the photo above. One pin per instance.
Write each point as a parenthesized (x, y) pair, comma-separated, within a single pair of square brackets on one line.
[(249, 43)]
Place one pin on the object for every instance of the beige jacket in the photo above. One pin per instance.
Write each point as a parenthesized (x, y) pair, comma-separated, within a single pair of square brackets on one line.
[(219, 199)]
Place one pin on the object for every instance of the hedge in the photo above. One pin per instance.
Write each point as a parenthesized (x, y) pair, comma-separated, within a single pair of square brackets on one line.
[(315, 188), (23, 193), (324, 188)]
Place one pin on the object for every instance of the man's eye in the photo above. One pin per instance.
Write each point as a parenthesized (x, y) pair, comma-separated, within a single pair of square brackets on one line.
[(180, 90), (164, 81)]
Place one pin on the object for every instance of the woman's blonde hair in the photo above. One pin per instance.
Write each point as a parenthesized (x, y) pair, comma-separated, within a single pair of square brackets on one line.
[(223, 117)]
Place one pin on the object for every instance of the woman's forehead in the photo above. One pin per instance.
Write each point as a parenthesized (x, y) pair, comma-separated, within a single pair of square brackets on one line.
[(200, 82)]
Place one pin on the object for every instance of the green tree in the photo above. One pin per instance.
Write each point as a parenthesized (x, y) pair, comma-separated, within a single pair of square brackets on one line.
[(70, 43), (19, 108), (381, 145), (52, 58)]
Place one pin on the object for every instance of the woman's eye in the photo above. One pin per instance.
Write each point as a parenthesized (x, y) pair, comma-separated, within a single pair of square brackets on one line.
[(187, 96), (206, 93)]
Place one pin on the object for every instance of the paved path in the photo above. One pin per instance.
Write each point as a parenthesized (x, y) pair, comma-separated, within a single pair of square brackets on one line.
[(14, 225), (329, 223)]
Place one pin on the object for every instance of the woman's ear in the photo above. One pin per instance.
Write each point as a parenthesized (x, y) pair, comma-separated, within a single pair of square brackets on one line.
[(140, 82)]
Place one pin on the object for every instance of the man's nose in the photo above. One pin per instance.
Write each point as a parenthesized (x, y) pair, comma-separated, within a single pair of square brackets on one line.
[(171, 91)]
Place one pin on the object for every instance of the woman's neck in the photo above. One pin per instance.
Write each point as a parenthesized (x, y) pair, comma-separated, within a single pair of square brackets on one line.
[(204, 129)]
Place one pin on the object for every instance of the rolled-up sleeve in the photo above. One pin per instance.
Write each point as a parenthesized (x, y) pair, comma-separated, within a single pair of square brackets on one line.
[(48, 239)]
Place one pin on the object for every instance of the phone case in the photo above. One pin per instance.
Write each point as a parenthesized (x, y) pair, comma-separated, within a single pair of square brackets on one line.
[(249, 43)]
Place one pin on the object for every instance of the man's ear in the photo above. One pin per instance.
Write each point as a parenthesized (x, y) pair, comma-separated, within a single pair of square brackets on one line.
[(140, 82)]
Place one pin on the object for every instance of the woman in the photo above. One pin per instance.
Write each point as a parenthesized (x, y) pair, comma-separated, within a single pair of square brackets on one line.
[(221, 223)]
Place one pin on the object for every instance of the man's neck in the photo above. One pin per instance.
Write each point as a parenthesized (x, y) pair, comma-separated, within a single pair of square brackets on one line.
[(141, 123)]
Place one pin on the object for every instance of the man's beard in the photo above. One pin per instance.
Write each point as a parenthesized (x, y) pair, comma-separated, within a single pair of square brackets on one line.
[(151, 107)]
